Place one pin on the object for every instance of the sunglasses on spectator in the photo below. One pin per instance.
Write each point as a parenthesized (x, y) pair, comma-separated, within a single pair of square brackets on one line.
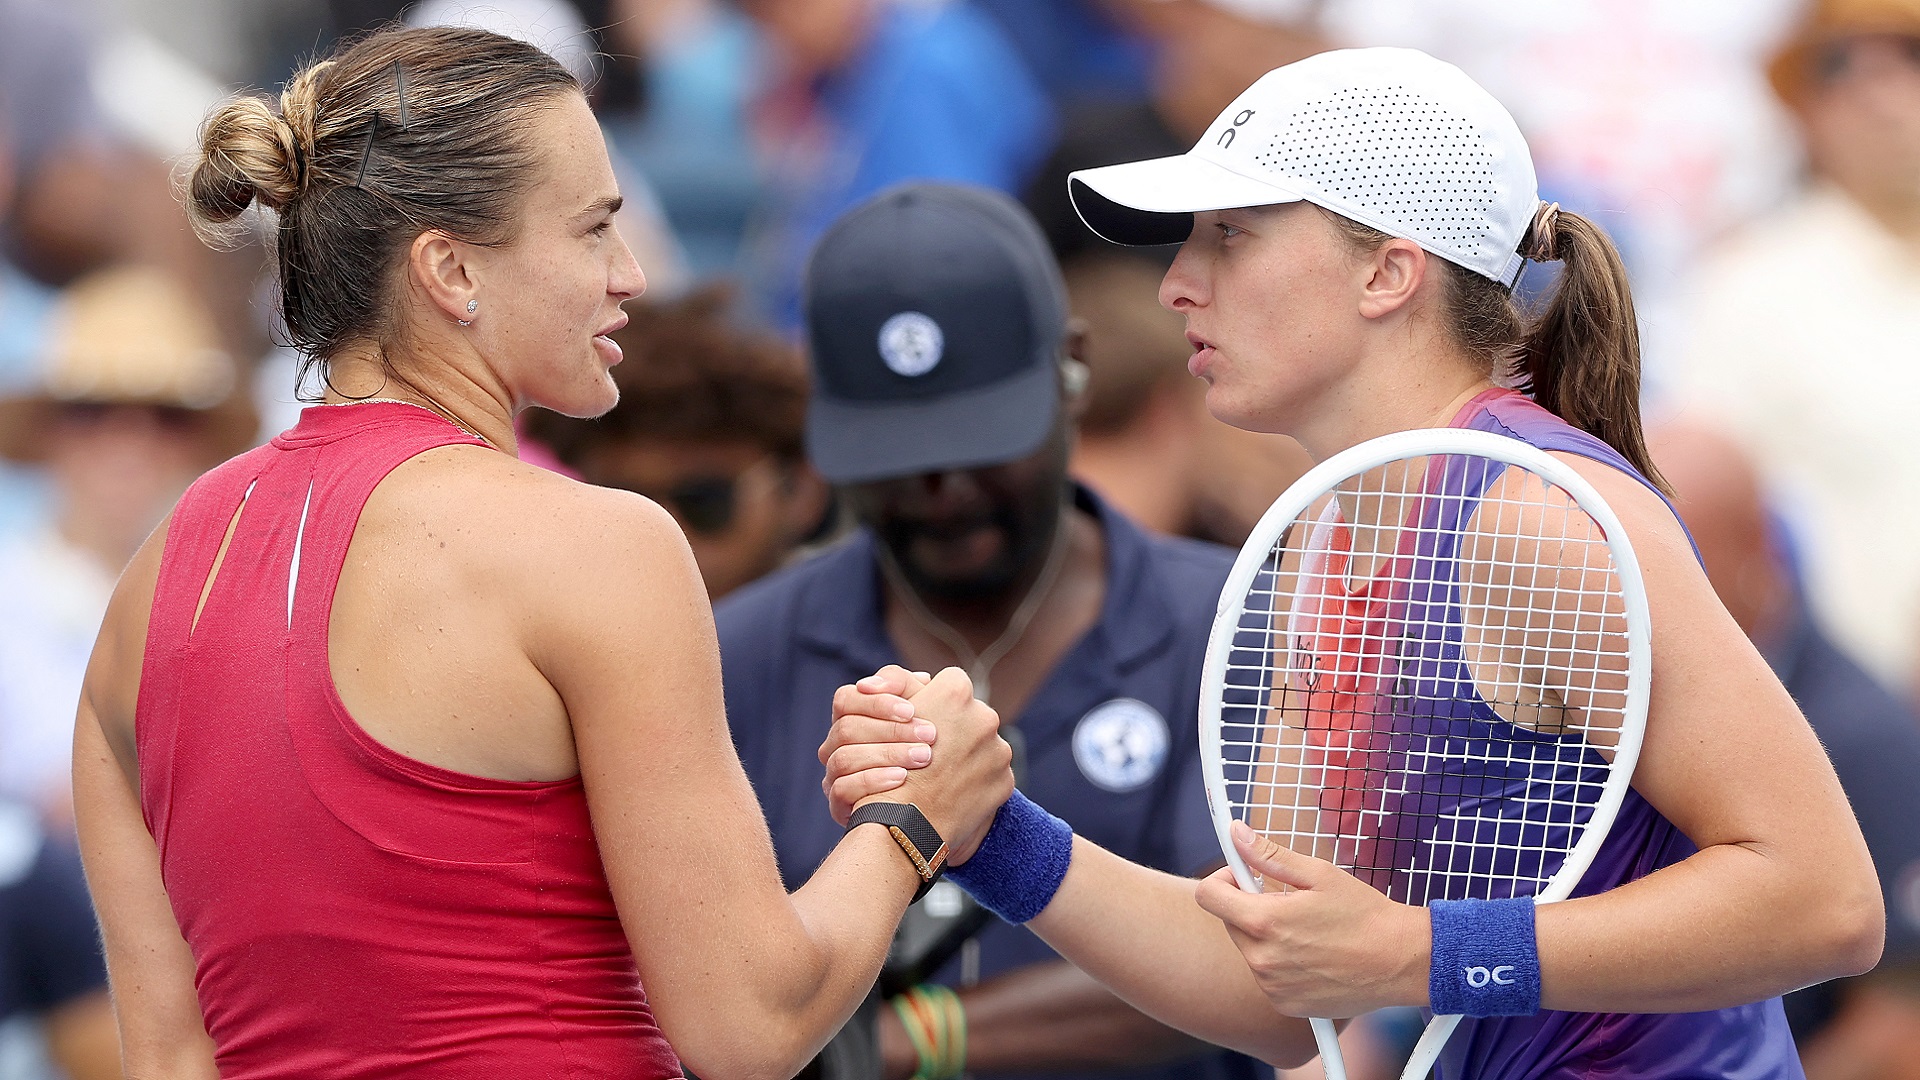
[(705, 504), (1842, 59), (172, 418)]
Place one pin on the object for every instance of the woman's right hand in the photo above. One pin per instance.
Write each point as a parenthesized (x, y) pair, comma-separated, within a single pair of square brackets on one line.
[(880, 748)]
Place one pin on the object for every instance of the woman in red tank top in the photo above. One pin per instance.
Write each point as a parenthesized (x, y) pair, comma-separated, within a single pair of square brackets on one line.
[(397, 756)]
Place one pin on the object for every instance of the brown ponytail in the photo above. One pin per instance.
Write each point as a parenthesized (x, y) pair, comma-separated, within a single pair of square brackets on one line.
[(1580, 358)]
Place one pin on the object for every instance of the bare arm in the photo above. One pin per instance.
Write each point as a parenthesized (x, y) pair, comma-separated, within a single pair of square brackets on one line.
[(1049, 1015), (1054, 1016), (1133, 929), (1139, 932), (625, 635), (149, 966), (1727, 759), (1781, 893)]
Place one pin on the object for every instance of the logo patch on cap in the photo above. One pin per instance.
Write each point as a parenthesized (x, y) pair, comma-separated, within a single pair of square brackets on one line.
[(1121, 745), (911, 344)]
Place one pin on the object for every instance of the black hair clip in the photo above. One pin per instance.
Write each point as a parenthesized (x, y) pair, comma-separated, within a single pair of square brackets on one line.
[(373, 128), (400, 91), (366, 152)]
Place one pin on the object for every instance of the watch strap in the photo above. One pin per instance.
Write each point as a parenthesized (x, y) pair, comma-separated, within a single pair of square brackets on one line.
[(918, 839)]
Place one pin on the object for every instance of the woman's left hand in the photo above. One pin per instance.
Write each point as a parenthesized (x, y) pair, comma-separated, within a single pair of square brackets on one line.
[(1331, 946)]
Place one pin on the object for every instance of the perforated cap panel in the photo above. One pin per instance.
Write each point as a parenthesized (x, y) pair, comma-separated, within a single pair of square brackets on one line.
[(1391, 138), (1392, 155)]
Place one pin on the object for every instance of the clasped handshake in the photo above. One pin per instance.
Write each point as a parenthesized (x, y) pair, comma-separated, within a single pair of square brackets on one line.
[(1327, 944)]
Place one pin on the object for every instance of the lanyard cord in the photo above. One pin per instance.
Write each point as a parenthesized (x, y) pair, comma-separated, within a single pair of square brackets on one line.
[(979, 666)]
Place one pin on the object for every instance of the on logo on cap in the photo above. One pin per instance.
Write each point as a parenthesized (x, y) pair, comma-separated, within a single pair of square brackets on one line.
[(911, 344)]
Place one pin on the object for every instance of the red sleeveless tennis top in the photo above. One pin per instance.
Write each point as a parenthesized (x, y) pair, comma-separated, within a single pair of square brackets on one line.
[(352, 911)]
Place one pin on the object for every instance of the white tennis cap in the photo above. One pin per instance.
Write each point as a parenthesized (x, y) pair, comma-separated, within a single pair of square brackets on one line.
[(1391, 138)]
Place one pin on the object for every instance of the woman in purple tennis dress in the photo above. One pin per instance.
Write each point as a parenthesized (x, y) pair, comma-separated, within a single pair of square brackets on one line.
[(1352, 228)]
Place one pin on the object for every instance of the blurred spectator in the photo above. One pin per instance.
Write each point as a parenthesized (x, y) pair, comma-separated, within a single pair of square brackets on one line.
[(136, 400), (944, 414), (874, 92), (61, 147), (699, 64), (709, 426), (1805, 340), (25, 305), (1078, 49), (559, 27), (1208, 51), (1650, 115), (1138, 439), (1205, 53), (54, 1009), (1867, 1027), (86, 192), (1147, 443)]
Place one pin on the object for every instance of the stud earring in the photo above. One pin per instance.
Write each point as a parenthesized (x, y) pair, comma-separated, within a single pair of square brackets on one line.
[(472, 306)]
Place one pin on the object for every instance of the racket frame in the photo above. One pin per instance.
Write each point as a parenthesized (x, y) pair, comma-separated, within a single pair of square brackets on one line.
[(1316, 484)]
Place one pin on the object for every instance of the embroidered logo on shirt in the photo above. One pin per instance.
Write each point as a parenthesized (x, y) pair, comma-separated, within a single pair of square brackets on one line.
[(911, 344), (1121, 745)]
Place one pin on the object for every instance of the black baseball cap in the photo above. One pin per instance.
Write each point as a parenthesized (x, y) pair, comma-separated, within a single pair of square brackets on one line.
[(935, 315)]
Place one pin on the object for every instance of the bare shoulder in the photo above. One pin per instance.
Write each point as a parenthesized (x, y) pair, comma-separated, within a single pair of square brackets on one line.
[(519, 510), (531, 533), (1655, 532)]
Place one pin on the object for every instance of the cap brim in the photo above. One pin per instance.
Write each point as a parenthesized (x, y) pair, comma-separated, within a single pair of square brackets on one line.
[(1153, 202), (852, 442)]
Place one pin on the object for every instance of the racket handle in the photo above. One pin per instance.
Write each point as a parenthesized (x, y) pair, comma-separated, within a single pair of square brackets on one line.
[(1327, 1038), (1427, 1050)]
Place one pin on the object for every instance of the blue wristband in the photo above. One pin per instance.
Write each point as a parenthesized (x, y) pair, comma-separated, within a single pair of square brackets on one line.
[(1485, 959), (1021, 862)]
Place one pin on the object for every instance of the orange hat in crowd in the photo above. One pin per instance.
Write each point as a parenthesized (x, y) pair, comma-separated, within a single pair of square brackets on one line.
[(1830, 21), (130, 335)]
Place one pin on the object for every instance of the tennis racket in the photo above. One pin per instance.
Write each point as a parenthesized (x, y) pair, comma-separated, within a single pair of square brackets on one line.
[(1429, 667)]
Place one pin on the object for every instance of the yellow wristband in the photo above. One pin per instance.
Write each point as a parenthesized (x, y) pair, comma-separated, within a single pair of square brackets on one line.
[(945, 1020), (913, 1019)]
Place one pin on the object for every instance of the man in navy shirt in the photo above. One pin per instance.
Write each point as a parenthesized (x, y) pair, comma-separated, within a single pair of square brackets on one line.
[(1869, 1026), (945, 391), (54, 1010)]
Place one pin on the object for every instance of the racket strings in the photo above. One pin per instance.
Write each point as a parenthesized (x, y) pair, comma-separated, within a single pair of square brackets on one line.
[(1427, 681)]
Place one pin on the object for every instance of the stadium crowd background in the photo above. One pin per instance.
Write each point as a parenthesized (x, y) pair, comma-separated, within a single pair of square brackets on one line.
[(1758, 161)]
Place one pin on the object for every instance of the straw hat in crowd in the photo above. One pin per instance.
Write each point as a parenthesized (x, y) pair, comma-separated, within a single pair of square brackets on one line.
[(130, 335), (1831, 21)]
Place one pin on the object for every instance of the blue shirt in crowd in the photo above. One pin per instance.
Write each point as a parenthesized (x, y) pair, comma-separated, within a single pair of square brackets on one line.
[(49, 946), (935, 93), (1111, 736), (1076, 48)]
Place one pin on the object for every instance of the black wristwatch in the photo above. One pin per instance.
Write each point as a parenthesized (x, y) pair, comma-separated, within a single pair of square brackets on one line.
[(913, 832)]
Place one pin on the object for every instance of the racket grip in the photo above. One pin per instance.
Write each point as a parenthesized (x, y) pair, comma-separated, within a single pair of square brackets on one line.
[(1327, 1038)]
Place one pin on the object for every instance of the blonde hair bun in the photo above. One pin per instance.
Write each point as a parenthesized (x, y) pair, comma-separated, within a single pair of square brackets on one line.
[(249, 153)]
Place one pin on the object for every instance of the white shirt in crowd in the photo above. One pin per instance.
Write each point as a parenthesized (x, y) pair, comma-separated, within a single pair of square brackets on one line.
[(56, 598), (1805, 345)]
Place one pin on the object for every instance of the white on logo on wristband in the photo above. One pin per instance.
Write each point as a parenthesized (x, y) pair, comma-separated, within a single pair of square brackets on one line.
[(1478, 977)]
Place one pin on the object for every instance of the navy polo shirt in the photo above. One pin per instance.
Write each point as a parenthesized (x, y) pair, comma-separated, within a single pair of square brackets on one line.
[(1873, 739), (1111, 735), (49, 947)]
